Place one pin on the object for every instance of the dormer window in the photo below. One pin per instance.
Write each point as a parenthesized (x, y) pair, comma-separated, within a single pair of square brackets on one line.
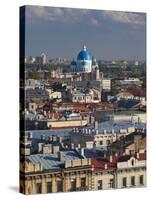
[(132, 162)]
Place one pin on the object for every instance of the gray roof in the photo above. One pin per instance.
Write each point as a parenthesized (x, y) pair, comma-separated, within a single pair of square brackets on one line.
[(116, 126), (51, 161), (64, 133)]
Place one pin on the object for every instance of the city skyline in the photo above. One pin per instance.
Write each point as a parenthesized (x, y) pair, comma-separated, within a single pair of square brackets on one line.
[(110, 35)]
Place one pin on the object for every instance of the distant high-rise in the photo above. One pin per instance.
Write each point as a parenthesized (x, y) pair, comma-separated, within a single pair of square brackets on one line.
[(31, 60), (43, 58)]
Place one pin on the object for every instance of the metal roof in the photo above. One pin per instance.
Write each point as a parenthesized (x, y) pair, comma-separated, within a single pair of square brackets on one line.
[(51, 161)]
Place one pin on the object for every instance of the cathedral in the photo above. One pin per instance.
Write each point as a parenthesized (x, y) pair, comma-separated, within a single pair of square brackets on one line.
[(86, 66), (85, 63)]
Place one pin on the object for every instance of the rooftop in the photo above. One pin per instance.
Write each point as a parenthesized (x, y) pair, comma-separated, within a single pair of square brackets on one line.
[(52, 161)]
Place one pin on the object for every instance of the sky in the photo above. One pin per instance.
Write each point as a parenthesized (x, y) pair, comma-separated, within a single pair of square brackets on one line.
[(108, 35)]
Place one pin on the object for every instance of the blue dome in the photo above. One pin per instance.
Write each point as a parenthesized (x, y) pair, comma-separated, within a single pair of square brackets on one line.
[(73, 63), (84, 54), (94, 62)]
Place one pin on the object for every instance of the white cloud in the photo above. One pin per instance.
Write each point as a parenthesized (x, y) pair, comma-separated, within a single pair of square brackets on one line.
[(125, 17), (62, 15), (86, 16), (44, 13)]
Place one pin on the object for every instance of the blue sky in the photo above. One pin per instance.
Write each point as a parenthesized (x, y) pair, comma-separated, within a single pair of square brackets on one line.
[(61, 32)]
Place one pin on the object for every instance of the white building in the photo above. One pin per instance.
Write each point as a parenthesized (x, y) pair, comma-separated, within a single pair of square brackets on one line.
[(54, 94), (89, 96)]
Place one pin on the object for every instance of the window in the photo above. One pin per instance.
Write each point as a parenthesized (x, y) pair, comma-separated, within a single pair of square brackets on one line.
[(49, 187), (38, 188), (100, 184), (101, 142), (59, 186), (141, 180), (132, 162), (111, 183), (73, 185), (124, 182), (83, 183), (108, 142), (132, 180)]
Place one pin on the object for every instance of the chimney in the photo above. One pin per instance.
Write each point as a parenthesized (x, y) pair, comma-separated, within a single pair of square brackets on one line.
[(40, 147), (82, 152), (96, 131), (60, 139), (54, 138), (92, 120), (112, 131), (72, 146), (105, 155), (137, 155), (96, 124), (86, 131), (49, 138), (47, 149), (61, 156), (30, 136), (90, 131), (55, 149), (77, 130), (110, 158), (94, 148), (42, 137)]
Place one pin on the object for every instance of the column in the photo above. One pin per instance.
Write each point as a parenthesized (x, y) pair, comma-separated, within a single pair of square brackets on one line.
[(78, 183), (44, 186), (54, 187)]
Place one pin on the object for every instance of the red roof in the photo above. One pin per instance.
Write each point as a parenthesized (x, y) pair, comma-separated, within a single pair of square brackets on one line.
[(100, 162), (124, 158), (137, 92), (142, 156)]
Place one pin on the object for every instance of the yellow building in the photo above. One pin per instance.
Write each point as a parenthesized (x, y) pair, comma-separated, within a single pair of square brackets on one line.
[(46, 173)]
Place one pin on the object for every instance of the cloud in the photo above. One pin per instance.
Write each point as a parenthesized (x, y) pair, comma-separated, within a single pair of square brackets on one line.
[(85, 16), (67, 15), (125, 17), (39, 12)]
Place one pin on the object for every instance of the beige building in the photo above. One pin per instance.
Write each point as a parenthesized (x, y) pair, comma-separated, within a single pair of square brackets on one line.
[(131, 172), (41, 175), (80, 174)]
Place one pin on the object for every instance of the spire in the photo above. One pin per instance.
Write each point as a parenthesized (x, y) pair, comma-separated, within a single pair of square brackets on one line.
[(84, 47)]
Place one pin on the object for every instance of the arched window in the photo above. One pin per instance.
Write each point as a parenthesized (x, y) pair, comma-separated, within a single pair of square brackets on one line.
[(132, 162)]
